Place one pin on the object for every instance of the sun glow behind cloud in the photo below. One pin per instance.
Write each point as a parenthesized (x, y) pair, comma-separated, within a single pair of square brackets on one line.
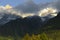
[(8, 6)]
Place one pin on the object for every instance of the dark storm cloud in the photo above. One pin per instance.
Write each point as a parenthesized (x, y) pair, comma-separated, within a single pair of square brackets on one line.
[(31, 7), (55, 4), (28, 7)]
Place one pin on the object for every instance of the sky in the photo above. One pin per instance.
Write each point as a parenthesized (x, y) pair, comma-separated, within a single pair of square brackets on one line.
[(17, 2)]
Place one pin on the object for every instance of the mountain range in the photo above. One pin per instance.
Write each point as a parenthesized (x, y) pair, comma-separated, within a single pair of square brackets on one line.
[(30, 24)]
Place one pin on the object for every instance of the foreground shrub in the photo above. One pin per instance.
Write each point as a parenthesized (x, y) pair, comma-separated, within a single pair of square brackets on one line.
[(42, 36)]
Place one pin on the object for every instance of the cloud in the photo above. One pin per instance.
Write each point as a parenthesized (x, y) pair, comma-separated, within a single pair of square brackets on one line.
[(28, 7), (55, 4), (31, 7)]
